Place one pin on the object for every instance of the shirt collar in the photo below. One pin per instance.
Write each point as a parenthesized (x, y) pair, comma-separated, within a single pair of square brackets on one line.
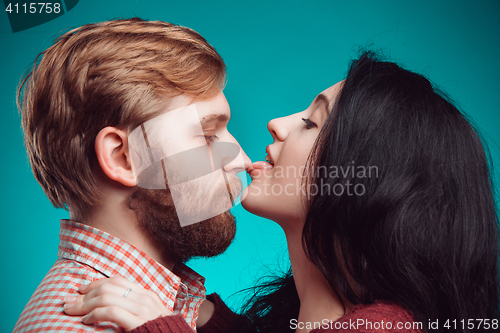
[(112, 256)]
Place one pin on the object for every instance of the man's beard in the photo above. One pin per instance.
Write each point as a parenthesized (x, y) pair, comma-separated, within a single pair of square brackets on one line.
[(157, 217)]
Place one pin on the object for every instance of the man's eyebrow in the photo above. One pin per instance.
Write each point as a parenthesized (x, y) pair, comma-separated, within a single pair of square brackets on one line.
[(222, 117)]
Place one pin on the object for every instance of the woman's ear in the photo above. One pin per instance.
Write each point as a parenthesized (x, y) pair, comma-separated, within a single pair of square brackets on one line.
[(111, 148)]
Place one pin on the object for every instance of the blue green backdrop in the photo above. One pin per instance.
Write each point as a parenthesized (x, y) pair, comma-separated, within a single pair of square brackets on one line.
[(279, 54)]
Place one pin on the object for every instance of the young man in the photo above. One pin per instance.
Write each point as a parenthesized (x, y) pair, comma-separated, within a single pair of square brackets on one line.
[(94, 116)]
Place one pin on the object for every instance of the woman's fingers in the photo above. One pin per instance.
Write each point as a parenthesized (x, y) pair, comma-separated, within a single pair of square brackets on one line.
[(73, 306), (83, 305), (117, 281), (120, 286), (115, 314), (129, 312), (115, 299)]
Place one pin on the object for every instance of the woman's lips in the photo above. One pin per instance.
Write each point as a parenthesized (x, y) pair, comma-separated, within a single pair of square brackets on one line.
[(258, 166)]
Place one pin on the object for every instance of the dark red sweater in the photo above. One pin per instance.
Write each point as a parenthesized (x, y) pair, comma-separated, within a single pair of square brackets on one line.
[(379, 317), (220, 322)]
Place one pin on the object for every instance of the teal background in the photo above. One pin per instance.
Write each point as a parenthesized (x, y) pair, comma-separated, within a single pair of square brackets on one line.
[(279, 54)]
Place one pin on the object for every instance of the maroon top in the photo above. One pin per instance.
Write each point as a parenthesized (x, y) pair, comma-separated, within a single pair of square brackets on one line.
[(379, 317), (221, 321)]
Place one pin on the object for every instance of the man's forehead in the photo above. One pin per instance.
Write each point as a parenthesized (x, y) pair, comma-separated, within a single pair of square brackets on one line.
[(213, 109), (180, 101), (181, 110)]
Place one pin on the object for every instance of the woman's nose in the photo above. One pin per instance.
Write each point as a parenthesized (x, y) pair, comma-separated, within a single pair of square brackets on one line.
[(277, 129)]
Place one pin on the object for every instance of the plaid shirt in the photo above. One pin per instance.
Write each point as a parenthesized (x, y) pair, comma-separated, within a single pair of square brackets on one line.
[(87, 254)]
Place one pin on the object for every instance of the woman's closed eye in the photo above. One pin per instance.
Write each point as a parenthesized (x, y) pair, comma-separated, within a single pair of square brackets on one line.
[(309, 124)]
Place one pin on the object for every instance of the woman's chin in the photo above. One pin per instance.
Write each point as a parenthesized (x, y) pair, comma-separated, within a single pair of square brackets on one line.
[(256, 204), (250, 204)]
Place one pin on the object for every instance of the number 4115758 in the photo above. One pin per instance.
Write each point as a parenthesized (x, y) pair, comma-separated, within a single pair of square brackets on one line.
[(34, 8), (472, 324)]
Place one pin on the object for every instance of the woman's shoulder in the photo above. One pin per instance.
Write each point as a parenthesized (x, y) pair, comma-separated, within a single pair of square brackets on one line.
[(378, 317)]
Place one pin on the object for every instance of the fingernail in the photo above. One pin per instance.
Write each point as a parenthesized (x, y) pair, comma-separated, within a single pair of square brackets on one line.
[(69, 299), (85, 318), (83, 287), (69, 306)]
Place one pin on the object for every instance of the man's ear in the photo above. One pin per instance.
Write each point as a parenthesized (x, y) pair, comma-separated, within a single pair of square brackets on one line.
[(111, 148)]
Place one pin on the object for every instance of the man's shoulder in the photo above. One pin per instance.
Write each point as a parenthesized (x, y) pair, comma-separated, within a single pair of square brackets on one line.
[(45, 309), (381, 317)]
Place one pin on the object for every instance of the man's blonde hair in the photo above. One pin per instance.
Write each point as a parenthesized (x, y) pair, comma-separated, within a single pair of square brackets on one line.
[(117, 73)]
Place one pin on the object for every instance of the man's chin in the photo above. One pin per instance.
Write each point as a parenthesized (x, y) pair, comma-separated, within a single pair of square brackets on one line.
[(158, 219), (208, 238)]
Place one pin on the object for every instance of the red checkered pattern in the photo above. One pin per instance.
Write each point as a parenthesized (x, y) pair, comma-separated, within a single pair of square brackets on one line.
[(87, 254)]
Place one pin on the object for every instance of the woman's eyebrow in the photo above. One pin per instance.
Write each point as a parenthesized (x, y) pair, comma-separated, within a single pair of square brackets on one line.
[(322, 97)]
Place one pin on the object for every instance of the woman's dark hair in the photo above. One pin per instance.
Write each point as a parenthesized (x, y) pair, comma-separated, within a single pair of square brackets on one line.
[(419, 226)]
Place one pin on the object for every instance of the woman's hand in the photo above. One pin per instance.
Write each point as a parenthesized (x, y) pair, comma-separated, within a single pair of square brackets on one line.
[(115, 299)]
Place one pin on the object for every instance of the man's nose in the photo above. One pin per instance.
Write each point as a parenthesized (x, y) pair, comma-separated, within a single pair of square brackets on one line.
[(238, 164)]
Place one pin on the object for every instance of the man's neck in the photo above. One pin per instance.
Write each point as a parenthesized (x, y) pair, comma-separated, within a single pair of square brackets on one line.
[(113, 216), (318, 302)]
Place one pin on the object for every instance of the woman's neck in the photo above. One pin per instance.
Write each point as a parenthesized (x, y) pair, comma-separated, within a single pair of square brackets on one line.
[(318, 303)]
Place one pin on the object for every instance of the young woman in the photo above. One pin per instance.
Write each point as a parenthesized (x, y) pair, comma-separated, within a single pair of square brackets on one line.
[(383, 190)]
